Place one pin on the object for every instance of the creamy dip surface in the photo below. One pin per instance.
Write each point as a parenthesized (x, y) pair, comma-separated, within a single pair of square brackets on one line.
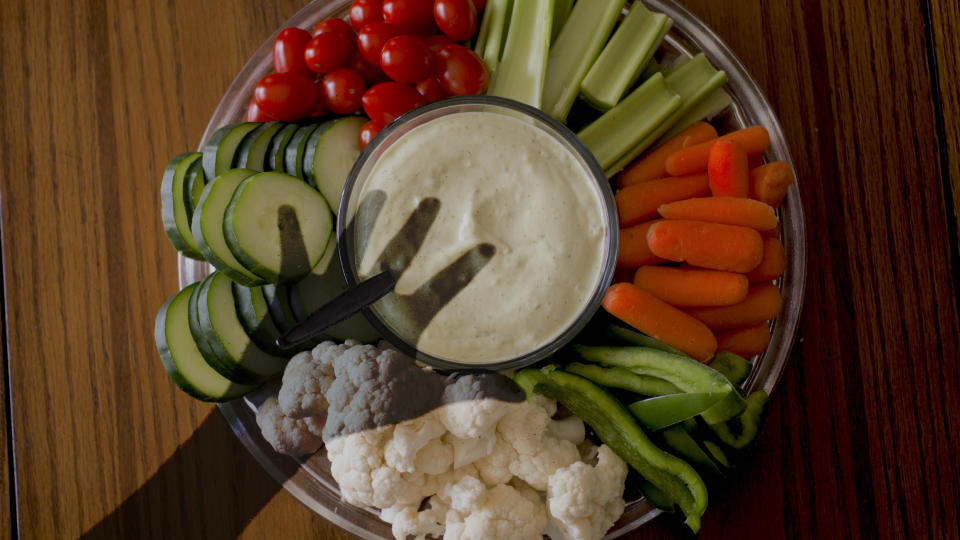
[(504, 182)]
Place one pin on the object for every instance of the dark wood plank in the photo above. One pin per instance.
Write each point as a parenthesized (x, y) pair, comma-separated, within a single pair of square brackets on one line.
[(8, 523)]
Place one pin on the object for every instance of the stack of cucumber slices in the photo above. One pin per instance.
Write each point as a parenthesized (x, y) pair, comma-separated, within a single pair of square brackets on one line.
[(258, 204)]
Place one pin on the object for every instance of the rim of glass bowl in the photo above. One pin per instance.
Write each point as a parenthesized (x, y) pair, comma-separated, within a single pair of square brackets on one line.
[(312, 484), (398, 129)]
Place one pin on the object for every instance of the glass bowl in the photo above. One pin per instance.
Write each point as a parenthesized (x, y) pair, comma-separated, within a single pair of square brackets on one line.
[(309, 479), (349, 236)]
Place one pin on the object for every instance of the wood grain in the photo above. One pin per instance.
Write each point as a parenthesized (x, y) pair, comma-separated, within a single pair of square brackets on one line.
[(7, 501), (861, 437)]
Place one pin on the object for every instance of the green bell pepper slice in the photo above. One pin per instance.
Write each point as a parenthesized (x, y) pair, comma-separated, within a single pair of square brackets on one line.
[(739, 432), (616, 377), (664, 411)]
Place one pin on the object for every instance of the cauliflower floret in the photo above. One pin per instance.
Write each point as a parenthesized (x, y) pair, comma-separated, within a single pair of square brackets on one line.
[(353, 459), (307, 378), (434, 458), (504, 514), (570, 429), (465, 494), (494, 468), (584, 501), (467, 451), (474, 418), (409, 437), (536, 468), (540, 400), (292, 436), (523, 427), (406, 521)]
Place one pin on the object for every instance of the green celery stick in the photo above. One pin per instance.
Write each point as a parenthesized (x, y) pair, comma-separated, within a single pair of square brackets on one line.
[(522, 66), (633, 120), (575, 50), (622, 60), (561, 12), (493, 31), (710, 106), (693, 80)]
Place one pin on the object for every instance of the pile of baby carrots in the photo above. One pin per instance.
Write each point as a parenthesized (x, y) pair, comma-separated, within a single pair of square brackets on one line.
[(708, 203)]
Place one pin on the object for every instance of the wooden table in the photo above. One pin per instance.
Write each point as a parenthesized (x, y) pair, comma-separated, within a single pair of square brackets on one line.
[(95, 97)]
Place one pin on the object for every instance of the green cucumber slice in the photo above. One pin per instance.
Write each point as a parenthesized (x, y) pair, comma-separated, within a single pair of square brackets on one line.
[(182, 359), (193, 319), (331, 152), (278, 147), (193, 188), (208, 226), (173, 206), (253, 149), (222, 147), (255, 318), (277, 298), (238, 358), (293, 155), (277, 226)]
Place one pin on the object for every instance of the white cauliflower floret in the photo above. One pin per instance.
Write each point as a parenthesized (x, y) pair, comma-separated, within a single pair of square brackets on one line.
[(494, 468), (542, 401), (406, 521), (292, 436), (409, 437), (467, 451), (353, 459), (464, 495), (434, 458), (536, 468), (523, 427), (307, 378), (584, 501), (504, 514), (570, 429), (472, 419)]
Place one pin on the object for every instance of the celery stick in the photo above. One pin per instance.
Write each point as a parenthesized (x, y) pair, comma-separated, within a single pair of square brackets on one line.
[(576, 48), (493, 31), (624, 57), (648, 71), (693, 80), (710, 106), (632, 120), (561, 12), (522, 66)]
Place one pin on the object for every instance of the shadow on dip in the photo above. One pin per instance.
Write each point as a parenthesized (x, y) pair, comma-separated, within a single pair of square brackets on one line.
[(498, 223)]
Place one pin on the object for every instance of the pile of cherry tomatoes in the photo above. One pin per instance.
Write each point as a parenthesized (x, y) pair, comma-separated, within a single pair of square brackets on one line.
[(393, 56)]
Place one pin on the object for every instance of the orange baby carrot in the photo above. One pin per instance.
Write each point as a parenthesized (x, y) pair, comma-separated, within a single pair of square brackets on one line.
[(709, 245), (769, 183), (693, 159), (660, 320), (761, 304), (688, 288), (729, 210), (639, 202), (745, 341), (633, 250), (772, 265), (653, 164), (727, 169)]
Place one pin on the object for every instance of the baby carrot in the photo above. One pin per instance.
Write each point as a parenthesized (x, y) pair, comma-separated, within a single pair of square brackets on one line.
[(727, 169), (639, 202), (653, 164), (633, 250), (660, 320), (687, 288), (693, 159), (745, 341), (772, 265), (729, 210), (761, 304), (709, 245), (769, 183)]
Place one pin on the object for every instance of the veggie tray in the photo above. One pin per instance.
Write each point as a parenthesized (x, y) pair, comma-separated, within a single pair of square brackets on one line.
[(310, 480)]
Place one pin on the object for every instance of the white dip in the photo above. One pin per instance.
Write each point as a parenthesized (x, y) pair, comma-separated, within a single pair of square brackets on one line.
[(504, 182)]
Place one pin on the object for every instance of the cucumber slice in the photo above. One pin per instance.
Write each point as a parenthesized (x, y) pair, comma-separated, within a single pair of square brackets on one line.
[(208, 226), (253, 149), (193, 188), (193, 319), (182, 359), (277, 226), (222, 147), (255, 318), (278, 147), (277, 298), (331, 152), (238, 358), (173, 206), (293, 155)]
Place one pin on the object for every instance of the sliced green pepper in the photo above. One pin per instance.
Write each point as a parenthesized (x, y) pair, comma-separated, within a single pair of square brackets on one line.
[(614, 425), (742, 430), (733, 366), (615, 377), (641, 340), (663, 411), (656, 497), (680, 441)]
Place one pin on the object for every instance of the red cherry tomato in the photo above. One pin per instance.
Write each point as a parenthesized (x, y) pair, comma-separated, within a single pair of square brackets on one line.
[(328, 51), (371, 74), (254, 114), (479, 4), (406, 59), (386, 101), (286, 96), (288, 51), (368, 132), (371, 38), (431, 90), (410, 15), (364, 12), (334, 25), (435, 41), (456, 18), (343, 90), (460, 71)]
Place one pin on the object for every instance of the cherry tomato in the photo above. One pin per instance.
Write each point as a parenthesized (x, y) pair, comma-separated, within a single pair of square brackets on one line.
[(328, 50), (364, 12), (288, 51), (286, 96), (371, 74), (431, 90), (254, 114), (435, 41), (368, 132), (334, 25), (322, 108), (456, 18), (371, 38), (406, 59), (386, 101), (460, 71), (410, 15), (343, 90)]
